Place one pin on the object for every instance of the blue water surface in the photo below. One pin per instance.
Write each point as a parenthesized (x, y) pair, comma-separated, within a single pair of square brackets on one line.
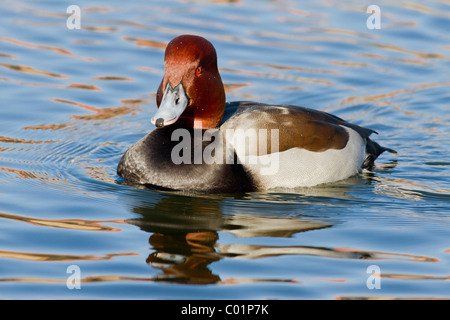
[(73, 100)]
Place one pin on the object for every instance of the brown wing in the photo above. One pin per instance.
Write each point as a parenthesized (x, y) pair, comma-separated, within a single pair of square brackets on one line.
[(298, 127)]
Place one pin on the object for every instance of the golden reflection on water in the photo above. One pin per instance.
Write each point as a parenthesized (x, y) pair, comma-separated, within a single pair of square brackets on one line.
[(27, 69), (105, 113), (51, 127), (276, 76), (185, 236), (62, 149), (73, 224), (392, 94), (98, 172), (424, 55), (425, 9), (48, 257), (100, 113), (113, 78), (101, 29), (4, 139), (284, 67), (10, 56), (83, 86), (45, 47), (147, 43), (58, 86), (26, 174), (416, 61), (35, 46), (412, 277), (350, 64), (91, 279), (185, 256)]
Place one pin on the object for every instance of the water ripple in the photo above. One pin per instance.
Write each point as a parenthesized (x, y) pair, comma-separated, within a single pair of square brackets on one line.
[(74, 100)]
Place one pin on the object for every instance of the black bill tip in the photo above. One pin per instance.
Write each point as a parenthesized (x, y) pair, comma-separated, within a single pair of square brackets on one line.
[(159, 122)]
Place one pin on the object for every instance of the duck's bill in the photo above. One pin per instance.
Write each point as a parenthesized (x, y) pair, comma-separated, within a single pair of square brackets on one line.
[(173, 104)]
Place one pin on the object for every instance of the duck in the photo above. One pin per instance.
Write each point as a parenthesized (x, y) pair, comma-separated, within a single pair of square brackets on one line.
[(202, 143)]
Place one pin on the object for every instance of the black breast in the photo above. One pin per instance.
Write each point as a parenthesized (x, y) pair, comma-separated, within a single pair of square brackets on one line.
[(150, 162)]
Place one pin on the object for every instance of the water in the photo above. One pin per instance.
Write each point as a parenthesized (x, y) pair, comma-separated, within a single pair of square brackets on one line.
[(72, 101)]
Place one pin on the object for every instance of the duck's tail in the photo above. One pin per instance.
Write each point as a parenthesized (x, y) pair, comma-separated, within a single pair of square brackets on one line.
[(373, 150)]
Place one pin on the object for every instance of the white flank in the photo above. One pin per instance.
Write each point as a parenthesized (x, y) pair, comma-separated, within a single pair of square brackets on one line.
[(302, 168)]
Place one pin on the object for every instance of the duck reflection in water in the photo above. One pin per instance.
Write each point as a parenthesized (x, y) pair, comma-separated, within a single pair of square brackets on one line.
[(184, 257), (185, 232)]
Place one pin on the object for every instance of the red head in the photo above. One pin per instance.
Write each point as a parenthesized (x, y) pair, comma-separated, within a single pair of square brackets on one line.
[(191, 92)]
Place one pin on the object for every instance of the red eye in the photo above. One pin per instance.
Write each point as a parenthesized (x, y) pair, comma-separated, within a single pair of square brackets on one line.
[(198, 70)]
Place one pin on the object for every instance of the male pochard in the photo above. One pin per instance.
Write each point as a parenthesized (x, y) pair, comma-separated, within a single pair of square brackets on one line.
[(204, 144)]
